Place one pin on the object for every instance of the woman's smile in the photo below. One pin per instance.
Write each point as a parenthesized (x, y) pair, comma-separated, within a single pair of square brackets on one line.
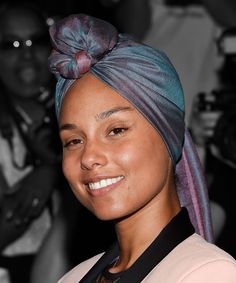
[(103, 186), (103, 183)]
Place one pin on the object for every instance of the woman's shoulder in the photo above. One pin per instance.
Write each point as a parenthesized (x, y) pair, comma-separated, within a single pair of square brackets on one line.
[(205, 262), (198, 249), (195, 260), (78, 272)]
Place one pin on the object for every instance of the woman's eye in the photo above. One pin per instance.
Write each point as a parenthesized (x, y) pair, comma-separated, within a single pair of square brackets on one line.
[(117, 131), (72, 143)]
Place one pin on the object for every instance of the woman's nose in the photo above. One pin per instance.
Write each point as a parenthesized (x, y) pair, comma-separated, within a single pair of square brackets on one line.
[(93, 156)]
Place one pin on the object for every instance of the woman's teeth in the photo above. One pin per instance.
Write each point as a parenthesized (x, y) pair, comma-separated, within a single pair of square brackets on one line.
[(104, 183)]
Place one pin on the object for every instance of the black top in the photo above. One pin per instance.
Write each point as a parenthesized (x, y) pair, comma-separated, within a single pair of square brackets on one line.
[(176, 231)]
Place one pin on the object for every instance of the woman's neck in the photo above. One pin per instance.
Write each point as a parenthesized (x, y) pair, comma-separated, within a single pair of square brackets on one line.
[(136, 232)]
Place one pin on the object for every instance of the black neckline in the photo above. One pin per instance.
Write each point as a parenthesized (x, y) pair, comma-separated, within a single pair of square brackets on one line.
[(176, 231)]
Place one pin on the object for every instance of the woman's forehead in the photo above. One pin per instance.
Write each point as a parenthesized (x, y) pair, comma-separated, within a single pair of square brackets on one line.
[(90, 86)]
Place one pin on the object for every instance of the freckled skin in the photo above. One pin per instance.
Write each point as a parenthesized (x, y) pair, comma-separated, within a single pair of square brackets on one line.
[(138, 153)]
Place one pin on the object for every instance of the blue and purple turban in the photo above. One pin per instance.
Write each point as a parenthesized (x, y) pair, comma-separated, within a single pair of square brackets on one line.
[(146, 78)]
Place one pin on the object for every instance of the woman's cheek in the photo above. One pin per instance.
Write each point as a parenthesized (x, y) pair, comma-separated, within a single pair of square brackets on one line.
[(68, 168), (127, 155)]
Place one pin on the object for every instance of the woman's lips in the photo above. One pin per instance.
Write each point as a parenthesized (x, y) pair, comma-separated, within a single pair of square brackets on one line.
[(103, 185)]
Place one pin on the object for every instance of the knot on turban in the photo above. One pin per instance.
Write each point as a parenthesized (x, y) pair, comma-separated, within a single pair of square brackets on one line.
[(79, 43), (71, 66)]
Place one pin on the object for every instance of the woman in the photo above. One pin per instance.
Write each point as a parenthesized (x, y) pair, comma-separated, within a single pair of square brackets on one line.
[(128, 158)]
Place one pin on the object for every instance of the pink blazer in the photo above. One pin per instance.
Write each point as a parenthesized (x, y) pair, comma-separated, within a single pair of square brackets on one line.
[(192, 261)]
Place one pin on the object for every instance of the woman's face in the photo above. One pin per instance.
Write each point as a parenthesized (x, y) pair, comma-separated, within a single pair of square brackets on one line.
[(114, 160), (24, 51)]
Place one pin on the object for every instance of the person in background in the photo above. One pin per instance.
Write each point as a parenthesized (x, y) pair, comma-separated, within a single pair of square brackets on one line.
[(129, 158), (30, 175), (213, 128)]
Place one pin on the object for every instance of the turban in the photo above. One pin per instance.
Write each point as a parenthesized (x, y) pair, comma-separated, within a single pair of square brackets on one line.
[(146, 78)]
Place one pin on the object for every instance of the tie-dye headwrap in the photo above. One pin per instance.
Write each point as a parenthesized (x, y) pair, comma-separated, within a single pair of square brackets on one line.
[(147, 79)]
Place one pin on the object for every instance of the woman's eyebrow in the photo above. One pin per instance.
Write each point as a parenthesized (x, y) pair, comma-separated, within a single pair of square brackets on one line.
[(101, 116), (68, 126), (105, 114)]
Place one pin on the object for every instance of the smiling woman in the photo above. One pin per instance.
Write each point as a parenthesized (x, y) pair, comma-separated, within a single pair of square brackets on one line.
[(128, 158), (115, 156)]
